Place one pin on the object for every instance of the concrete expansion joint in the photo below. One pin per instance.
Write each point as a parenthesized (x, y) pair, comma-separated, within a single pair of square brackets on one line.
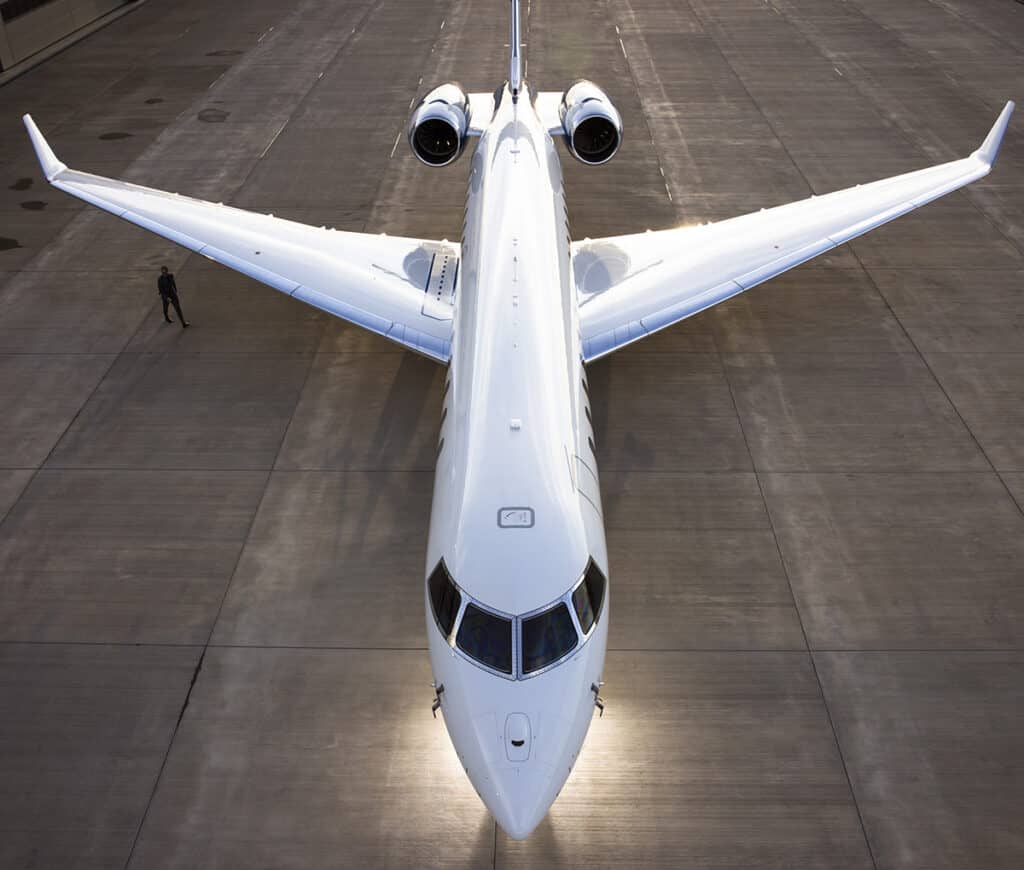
[(191, 686)]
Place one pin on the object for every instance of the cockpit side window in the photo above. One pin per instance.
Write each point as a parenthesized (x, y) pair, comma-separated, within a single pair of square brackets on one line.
[(547, 637), (444, 598), (486, 638), (587, 598)]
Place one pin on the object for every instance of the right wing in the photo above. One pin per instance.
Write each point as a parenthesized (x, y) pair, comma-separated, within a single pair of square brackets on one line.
[(631, 286), (402, 289)]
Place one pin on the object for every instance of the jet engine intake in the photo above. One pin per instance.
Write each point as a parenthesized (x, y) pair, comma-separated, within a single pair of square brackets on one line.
[(437, 129), (592, 125)]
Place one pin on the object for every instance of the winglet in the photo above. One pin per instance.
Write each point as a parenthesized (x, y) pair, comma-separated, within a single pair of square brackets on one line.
[(52, 167), (990, 147)]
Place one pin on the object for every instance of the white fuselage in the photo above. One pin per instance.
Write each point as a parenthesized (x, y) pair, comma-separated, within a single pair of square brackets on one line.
[(516, 514)]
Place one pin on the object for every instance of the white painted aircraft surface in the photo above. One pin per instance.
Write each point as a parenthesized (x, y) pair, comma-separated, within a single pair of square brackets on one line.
[(517, 599)]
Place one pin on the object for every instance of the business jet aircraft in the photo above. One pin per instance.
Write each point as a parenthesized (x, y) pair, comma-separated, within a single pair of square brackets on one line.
[(516, 588)]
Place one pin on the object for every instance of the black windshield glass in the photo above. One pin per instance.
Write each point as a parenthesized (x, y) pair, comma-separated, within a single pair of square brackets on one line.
[(487, 638), (588, 597), (547, 637), (444, 598)]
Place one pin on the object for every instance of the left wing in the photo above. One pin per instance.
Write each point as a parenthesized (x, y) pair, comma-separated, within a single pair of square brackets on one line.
[(400, 288), (631, 286)]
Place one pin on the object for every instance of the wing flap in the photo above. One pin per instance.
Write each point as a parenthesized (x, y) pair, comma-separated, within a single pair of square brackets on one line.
[(630, 286)]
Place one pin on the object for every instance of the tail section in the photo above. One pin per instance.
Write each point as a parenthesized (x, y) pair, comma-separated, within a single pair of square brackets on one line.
[(515, 75)]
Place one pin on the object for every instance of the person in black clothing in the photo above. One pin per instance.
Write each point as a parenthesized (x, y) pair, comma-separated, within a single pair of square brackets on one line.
[(169, 295)]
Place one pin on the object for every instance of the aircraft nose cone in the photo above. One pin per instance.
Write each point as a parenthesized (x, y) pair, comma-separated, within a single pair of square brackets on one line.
[(524, 799)]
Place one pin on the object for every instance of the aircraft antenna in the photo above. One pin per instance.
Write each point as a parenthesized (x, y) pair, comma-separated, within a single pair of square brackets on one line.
[(515, 77)]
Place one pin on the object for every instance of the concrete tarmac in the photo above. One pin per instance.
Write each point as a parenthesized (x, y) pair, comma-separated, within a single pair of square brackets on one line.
[(212, 648)]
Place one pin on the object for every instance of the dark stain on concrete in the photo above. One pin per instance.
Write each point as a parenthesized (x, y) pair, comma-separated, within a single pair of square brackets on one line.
[(152, 101), (22, 184), (33, 205), (110, 137), (213, 116), (8, 244), (225, 52)]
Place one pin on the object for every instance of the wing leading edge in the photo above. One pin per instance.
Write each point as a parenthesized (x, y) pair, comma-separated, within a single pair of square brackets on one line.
[(388, 285), (631, 286)]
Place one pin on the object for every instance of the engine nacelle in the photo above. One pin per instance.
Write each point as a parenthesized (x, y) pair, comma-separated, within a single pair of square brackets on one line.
[(437, 129), (592, 125)]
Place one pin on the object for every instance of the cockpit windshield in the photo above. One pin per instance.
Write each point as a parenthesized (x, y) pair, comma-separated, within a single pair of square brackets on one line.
[(517, 646), (486, 638), (587, 597), (444, 598), (547, 637)]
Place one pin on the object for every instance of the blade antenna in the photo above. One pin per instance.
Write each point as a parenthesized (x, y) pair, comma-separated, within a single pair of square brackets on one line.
[(515, 76)]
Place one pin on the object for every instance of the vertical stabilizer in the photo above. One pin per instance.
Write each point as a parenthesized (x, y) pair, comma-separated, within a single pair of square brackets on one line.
[(515, 75)]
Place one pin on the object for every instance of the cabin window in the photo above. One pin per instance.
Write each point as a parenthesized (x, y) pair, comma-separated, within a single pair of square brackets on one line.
[(444, 598), (487, 638), (588, 596), (547, 637)]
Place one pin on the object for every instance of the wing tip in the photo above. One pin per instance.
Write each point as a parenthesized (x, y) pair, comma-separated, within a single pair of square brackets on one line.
[(989, 149), (51, 166)]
